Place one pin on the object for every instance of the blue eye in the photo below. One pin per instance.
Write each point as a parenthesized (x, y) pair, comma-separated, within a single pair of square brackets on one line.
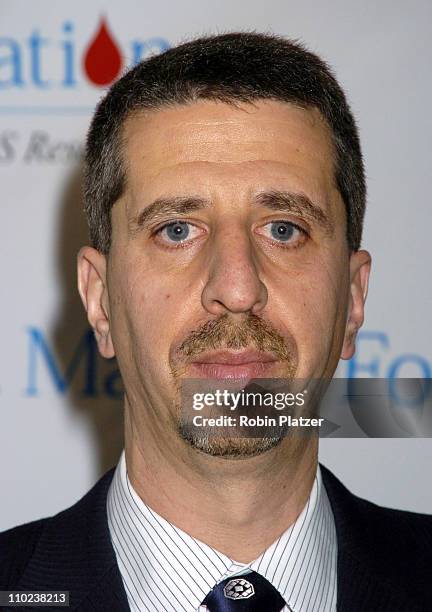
[(177, 231), (282, 230)]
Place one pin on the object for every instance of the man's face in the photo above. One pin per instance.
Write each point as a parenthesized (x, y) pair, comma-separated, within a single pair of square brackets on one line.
[(229, 256)]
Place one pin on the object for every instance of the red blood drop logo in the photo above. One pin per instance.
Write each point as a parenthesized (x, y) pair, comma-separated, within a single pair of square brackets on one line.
[(102, 59)]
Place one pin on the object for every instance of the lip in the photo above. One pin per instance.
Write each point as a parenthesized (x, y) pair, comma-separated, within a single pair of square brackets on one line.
[(233, 365), (235, 357)]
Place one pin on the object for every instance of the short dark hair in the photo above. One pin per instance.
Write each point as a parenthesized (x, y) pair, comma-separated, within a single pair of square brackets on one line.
[(232, 68)]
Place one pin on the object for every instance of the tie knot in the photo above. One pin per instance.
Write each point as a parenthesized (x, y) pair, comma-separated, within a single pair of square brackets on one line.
[(246, 593)]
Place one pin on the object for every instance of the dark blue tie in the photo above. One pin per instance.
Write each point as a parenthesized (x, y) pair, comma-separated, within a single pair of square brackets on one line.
[(247, 593)]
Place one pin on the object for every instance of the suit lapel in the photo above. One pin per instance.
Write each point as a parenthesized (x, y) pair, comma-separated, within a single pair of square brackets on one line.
[(365, 578), (75, 554), (107, 594)]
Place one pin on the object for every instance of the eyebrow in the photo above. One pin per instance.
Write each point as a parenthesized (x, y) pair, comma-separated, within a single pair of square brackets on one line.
[(164, 207), (298, 204), (275, 200)]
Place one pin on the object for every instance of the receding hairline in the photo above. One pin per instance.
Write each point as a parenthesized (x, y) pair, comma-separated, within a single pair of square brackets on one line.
[(241, 105)]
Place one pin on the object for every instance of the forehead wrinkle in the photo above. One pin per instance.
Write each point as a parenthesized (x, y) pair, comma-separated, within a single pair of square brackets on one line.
[(275, 167)]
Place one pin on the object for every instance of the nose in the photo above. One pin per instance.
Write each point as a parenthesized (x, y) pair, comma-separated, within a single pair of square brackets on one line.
[(233, 284)]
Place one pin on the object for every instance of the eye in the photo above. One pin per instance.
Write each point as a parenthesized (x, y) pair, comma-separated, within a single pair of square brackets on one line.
[(176, 232), (283, 231)]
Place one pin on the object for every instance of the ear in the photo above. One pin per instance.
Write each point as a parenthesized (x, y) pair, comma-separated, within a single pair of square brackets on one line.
[(92, 287), (360, 265)]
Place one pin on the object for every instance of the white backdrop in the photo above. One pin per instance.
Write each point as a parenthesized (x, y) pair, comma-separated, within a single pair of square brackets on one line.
[(60, 412)]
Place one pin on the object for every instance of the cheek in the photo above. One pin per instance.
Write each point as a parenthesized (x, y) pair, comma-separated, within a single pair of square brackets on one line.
[(312, 302), (146, 306)]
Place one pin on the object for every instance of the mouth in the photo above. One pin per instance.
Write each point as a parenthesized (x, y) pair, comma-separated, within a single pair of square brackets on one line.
[(233, 365)]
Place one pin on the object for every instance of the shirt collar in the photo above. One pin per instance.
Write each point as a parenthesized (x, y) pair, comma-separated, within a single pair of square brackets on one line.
[(165, 568)]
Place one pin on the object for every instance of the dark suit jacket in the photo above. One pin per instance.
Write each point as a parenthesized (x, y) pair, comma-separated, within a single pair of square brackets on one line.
[(384, 555)]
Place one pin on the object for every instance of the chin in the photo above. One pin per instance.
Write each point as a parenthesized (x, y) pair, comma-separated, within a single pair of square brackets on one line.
[(229, 448)]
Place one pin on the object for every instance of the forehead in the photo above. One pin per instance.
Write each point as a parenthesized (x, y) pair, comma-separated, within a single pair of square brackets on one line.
[(207, 143)]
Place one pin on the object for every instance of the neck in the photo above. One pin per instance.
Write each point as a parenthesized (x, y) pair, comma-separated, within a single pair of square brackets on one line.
[(237, 506)]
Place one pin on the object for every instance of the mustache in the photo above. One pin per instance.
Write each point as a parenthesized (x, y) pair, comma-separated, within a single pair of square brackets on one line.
[(225, 333)]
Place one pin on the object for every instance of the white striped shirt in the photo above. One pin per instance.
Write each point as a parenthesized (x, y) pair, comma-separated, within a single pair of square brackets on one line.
[(165, 569)]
